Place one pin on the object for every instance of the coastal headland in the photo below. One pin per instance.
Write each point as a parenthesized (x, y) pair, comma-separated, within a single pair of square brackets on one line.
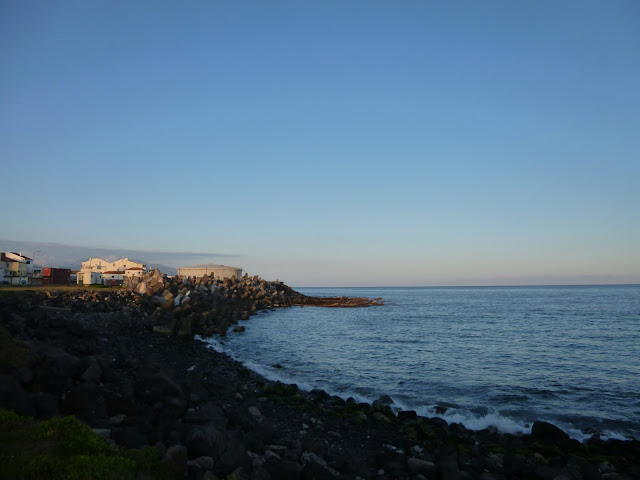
[(124, 362)]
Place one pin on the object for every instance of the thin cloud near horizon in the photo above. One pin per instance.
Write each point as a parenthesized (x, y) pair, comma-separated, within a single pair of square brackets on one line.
[(64, 254)]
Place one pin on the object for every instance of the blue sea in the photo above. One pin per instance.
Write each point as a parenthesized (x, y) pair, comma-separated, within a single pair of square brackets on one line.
[(492, 356)]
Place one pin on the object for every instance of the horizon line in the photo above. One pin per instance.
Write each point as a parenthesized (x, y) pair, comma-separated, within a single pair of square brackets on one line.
[(483, 286)]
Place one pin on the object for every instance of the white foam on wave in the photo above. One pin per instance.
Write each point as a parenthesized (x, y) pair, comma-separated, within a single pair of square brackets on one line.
[(358, 397), (608, 434), (582, 437), (275, 374), (502, 423), (212, 344)]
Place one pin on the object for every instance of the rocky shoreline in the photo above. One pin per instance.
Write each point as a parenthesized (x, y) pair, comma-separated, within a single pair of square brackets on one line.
[(124, 362)]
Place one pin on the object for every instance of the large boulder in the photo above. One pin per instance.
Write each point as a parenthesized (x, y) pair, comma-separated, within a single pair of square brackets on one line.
[(161, 386), (14, 397), (547, 433), (206, 440)]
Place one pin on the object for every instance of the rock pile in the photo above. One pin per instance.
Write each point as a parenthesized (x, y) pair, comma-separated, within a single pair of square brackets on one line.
[(184, 306)]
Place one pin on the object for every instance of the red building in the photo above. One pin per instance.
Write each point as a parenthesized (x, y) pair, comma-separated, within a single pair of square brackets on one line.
[(55, 276)]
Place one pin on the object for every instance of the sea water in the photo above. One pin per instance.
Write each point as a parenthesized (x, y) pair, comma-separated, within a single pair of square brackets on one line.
[(501, 356)]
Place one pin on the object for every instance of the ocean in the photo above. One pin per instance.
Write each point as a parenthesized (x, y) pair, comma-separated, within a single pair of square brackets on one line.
[(490, 356)]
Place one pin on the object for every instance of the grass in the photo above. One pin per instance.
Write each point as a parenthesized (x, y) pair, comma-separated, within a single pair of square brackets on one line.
[(65, 448), (56, 288)]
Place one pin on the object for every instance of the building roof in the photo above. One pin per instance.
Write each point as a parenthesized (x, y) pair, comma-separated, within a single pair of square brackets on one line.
[(23, 256), (135, 268), (212, 265), (114, 272)]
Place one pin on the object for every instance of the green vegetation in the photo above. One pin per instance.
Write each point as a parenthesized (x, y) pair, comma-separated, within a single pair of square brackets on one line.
[(420, 431), (97, 286), (65, 448), (279, 389)]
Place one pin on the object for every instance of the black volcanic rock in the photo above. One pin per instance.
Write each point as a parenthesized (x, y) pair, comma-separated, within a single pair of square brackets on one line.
[(547, 432)]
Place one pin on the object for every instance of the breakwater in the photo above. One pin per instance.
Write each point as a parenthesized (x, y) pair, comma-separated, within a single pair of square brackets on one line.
[(186, 306)]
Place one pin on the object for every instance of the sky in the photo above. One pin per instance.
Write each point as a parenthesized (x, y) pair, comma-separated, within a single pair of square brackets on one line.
[(330, 143)]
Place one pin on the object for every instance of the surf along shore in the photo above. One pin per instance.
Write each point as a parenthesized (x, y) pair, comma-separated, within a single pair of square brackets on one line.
[(124, 362)]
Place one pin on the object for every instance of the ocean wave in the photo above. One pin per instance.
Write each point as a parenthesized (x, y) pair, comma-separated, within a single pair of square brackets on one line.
[(455, 413), (502, 423)]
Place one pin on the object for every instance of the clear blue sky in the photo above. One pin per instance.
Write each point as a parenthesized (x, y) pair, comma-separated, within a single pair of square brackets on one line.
[(330, 142)]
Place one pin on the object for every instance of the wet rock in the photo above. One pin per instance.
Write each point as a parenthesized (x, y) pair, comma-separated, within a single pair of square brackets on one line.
[(514, 465), (381, 417), (161, 386), (194, 471), (132, 437), (284, 470), (206, 441), (385, 400), (176, 457), (406, 415), (66, 365), (395, 469), (24, 375), (316, 471), (234, 456), (76, 400), (13, 396), (206, 463), (547, 472), (547, 433), (311, 458), (92, 373), (117, 419), (417, 466), (46, 405), (448, 468), (255, 412), (165, 330), (494, 462), (359, 417), (606, 467)]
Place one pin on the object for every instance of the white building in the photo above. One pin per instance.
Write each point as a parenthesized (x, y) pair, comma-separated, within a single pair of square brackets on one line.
[(87, 277), (110, 272), (218, 271), (96, 264), (18, 269)]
